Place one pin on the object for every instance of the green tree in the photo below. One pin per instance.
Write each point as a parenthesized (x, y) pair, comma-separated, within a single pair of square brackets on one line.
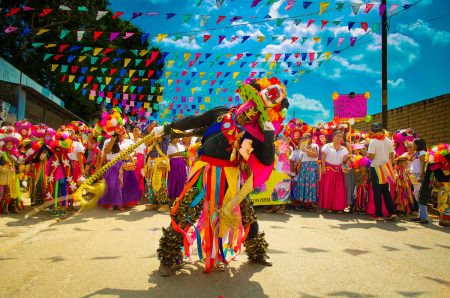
[(17, 47)]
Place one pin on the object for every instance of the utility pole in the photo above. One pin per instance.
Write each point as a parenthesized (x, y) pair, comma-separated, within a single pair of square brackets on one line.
[(384, 69)]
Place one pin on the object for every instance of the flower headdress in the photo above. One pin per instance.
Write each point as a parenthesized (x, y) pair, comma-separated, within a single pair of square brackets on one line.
[(9, 134), (112, 122), (440, 156)]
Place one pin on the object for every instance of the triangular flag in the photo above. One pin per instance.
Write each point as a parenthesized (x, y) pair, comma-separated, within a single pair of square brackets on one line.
[(63, 33), (324, 22), (136, 15), (364, 26), (341, 39), (352, 41), (113, 36), (245, 38), (13, 11), (160, 37), (261, 38), (97, 51), (118, 14), (339, 6), (40, 32), (323, 7), (128, 35), (375, 27), (219, 3), (393, 8), (330, 39), (368, 7), (309, 22), (186, 17), (355, 7), (144, 38), (306, 4), (382, 9), (203, 20), (45, 12), (206, 37), (294, 39), (170, 15), (100, 14), (254, 3), (47, 56), (97, 34), (290, 4), (350, 25), (80, 35)]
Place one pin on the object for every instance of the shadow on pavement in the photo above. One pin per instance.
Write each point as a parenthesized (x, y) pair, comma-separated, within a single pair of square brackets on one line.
[(190, 281)]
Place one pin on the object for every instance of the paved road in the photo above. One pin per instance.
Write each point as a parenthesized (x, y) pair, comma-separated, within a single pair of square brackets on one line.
[(113, 254)]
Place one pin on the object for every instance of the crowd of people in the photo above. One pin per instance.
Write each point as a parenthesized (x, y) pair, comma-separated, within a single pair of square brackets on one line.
[(338, 169), (332, 168), (50, 164)]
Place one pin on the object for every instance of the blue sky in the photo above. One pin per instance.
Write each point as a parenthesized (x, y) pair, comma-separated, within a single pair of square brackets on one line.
[(419, 67)]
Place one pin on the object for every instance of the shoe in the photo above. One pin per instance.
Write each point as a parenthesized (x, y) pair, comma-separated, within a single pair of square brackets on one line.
[(164, 208), (415, 219), (393, 217), (424, 221), (151, 207), (379, 218), (262, 261), (165, 270)]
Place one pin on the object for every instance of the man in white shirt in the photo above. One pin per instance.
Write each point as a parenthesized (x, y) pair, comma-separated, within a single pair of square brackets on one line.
[(381, 152)]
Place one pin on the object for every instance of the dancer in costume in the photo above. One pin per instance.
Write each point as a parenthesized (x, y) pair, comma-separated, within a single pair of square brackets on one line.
[(10, 196), (76, 130), (59, 173), (122, 189), (213, 209), (37, 157)]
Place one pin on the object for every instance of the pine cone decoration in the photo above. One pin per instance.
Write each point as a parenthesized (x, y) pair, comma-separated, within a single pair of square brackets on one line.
[(256, 248)]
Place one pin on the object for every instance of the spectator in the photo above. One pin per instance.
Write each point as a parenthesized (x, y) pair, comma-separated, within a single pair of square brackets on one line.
[(332, 195), (381, 152)]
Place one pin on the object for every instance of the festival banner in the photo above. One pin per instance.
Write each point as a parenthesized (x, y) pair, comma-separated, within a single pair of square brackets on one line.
[(275, 191), (350, 106)]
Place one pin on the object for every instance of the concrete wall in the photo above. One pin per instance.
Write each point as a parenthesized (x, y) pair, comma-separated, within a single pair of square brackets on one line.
[(430, 118), (38, 109)]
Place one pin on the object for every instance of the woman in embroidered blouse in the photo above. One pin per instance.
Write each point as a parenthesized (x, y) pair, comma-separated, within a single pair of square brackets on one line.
[(332, 196)]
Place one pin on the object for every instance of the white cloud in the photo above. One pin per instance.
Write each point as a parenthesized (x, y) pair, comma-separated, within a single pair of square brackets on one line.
[(397, 84), (358, 57), (253, 31), (423, 29), (403, 49), (299, 103), (274, 10), (345, 63), (182, 43)]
